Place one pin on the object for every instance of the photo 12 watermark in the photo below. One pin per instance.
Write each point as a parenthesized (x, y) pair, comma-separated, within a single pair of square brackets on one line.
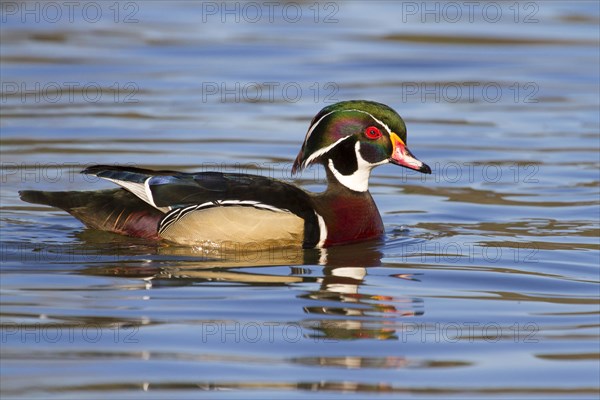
[(68, 92), (269, 12), (49, 172), (452, 172), (269, 92), (457, 252), (453, 12), (469, 92), (54, 12), (253, 332), (54, 333), (468, 332)]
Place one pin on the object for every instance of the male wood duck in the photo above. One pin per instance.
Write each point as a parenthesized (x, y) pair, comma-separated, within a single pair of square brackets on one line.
[(349, 139)]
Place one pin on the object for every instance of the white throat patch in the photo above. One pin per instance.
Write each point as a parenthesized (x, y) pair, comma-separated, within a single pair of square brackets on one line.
[(359, 180)]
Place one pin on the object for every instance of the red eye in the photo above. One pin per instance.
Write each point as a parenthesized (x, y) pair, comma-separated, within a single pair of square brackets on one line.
[(373, 132)]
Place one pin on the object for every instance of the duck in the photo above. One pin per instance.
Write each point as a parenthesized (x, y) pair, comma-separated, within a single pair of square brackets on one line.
[(205, 209)]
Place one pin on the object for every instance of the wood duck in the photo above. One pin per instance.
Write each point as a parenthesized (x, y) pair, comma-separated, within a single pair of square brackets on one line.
[(349, 139)]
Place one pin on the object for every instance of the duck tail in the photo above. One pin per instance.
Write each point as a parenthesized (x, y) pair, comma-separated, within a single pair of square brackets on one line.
[(113, 210), (63, 200)]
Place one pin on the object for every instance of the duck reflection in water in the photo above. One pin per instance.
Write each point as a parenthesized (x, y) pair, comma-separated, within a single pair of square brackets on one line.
[(339, 307), (347, 312)]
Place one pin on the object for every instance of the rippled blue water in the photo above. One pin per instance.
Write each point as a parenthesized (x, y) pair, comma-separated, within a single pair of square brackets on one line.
[(485, 286)]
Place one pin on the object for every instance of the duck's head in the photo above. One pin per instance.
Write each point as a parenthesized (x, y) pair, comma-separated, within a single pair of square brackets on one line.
[(350, 138)]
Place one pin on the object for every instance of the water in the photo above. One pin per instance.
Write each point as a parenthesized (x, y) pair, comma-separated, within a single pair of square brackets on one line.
[(485, 286)]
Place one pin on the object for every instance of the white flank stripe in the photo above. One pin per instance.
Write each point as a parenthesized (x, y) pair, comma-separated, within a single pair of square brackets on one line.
[(322, 231), (252, 203), (177, 214)]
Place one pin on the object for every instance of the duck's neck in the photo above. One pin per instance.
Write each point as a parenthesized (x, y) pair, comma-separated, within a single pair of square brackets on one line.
[(349, 216)]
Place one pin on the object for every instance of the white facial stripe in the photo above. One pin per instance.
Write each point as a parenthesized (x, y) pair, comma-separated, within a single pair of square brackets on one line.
[(322, 151), (387, 128), (312, 128)]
